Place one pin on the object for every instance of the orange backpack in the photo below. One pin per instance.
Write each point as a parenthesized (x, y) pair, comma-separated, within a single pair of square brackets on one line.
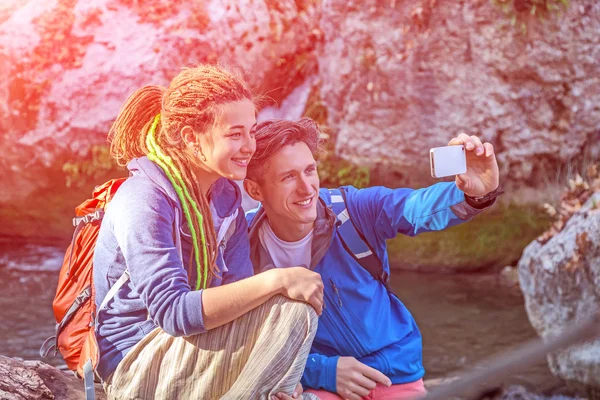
[(75, 304)]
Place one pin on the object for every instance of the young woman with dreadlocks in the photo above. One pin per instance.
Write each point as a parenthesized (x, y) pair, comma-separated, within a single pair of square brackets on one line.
[(185, 317)]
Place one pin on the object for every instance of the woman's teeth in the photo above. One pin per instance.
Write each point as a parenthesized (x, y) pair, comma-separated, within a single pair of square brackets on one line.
[(241, 161), (304, 203)]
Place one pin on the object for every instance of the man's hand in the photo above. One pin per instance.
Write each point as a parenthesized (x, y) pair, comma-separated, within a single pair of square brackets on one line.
[(355, 380), (482, 174)]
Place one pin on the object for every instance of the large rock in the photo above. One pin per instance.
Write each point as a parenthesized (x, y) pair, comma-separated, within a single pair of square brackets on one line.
[(35, 380), (560, 280), (397, 77), (68, 65), (400, 77)]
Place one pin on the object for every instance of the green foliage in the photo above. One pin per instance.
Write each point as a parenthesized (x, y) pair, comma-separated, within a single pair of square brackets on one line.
[(492, 240), (334, 171), (521, 13), (96, 166)]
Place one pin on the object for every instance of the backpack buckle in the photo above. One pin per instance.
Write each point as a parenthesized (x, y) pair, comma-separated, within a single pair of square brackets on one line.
[(385, 277), (91, 217)]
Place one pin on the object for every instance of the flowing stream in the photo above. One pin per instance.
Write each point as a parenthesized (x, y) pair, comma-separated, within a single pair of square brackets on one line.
[(463, 318)]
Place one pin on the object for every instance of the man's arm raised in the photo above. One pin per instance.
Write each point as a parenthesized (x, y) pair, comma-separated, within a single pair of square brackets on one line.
[(386, 212)]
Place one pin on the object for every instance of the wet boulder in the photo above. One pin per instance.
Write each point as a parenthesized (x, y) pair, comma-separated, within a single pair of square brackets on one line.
[(559, 276), (29, 380)]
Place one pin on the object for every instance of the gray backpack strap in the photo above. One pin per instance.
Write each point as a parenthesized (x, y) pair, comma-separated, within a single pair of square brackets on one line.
[(88, 380), (227, 230), (110, 295), (51, 344)]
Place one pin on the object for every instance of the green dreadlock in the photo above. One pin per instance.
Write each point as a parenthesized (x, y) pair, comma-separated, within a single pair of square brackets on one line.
[(165, 162)]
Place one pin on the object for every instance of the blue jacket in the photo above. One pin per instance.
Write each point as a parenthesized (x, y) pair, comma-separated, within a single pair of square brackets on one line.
[(137, 234), (361, 318)]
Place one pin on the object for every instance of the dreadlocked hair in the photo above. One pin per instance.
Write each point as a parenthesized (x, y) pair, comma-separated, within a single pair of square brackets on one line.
[(150, 123)]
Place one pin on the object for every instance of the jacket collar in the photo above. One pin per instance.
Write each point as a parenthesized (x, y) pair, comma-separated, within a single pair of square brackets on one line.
[(322, 237)]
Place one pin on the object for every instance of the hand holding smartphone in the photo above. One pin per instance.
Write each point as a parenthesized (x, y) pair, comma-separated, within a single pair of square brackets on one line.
[(448, 161)]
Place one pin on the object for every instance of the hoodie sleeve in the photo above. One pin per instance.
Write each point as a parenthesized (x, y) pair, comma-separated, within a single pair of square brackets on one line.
[(409, 211), (237, 252), (320, 372), (143, 227)]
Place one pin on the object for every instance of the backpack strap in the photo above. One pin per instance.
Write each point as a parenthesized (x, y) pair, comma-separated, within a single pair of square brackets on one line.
[(110, 294), (51, 344), (227, 229), (354, 241), (88, 380), (79, 223), (250, 214)]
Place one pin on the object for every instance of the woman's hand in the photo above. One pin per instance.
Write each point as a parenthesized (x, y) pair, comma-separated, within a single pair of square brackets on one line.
[(299, 283), (296, 395)]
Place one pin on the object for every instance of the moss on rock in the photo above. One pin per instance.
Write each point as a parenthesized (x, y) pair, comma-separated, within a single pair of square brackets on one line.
[(492, 240)]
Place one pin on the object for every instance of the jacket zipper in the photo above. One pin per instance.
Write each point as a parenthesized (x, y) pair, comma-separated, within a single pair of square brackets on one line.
[(340, 329), (337, 292), (345, 329)]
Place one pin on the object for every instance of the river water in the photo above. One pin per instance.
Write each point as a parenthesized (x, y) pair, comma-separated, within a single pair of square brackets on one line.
[(463, 318)]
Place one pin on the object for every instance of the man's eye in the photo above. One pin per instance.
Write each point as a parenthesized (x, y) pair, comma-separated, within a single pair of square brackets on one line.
[(288, 176)]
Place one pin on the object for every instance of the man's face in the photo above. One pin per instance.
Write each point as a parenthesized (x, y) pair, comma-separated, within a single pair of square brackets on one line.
[(290, 185)]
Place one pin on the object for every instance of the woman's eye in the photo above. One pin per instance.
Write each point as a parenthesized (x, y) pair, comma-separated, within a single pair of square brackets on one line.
[(235, 135)]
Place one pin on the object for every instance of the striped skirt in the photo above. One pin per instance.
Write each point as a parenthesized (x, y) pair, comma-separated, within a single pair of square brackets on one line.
[(254, 357)]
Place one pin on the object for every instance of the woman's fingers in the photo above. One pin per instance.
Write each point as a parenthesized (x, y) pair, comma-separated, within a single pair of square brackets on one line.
[(317, 303)]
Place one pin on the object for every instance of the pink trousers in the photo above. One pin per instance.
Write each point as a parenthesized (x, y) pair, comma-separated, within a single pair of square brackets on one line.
[(405, 391)]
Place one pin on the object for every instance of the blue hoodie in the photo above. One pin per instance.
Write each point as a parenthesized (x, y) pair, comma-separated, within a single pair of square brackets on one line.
[(361, 318), (137, 234)]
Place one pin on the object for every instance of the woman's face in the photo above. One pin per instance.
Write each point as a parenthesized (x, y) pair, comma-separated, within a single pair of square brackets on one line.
[(231, 145)]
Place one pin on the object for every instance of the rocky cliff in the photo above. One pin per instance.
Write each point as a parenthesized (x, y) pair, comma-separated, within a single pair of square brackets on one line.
[(393, 78)]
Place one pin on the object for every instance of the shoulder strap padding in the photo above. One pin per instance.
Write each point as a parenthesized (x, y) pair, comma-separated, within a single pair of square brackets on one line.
[(354, 241)]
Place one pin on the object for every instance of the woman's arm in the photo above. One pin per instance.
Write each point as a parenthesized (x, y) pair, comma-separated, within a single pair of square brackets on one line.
[(223, 304), (143, 226)]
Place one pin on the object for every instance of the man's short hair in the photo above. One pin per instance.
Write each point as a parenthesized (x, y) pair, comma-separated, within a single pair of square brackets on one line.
[(274, 134)]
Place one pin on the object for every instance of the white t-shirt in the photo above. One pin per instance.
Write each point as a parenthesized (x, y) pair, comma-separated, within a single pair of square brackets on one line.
[(285, 254)]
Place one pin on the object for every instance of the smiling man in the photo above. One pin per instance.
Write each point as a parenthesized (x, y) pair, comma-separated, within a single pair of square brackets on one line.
[(367, 342)]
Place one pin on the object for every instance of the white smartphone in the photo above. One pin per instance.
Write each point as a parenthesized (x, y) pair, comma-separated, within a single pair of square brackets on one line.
[(447, 161)]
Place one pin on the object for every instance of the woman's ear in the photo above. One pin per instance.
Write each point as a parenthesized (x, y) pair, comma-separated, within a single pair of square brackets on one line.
[(253, 189), (189, 137)]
